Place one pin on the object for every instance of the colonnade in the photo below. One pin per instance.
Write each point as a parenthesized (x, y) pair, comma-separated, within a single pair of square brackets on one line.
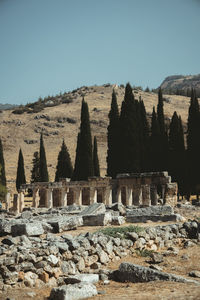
[(104, 193)]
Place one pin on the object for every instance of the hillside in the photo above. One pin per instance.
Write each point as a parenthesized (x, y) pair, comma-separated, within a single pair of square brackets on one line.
[(181, 83), (60, 120)]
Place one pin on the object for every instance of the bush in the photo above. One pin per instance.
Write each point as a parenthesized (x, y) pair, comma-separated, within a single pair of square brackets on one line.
[(144, 252), (121, 231), (3, 192)]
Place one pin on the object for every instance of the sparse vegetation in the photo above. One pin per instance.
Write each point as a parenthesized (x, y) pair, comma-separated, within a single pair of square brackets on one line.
[(143, 252), (121, 231)]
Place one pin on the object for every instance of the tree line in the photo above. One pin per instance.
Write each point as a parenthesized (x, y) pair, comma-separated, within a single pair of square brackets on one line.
[(135, 144)]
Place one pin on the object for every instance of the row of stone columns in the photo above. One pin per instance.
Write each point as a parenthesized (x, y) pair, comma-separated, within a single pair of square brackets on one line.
[(140, 195), (106, 194)]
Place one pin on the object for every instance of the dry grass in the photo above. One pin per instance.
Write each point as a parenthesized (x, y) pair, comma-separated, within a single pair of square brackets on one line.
[(98, 98)]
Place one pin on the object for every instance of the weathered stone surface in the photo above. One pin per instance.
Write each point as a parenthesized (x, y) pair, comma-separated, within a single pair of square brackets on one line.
[(195, 273), (117, 220), (73, 292), (94, 209), (90, 278), (120, 208), (97, 220), (155, 218), (156, 258), (134, 273), (29, 229), (151, 211), (65, 223)]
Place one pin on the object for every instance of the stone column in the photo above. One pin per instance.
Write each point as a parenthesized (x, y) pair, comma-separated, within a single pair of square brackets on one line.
[(36, 198), (8, 201), (137, 195), (154, 195), (119, 195), (129, 196), (163, 193), (63, 201), (16, 203), (107, 196), (21, 201), (49, 203), (146, 200), (93, 195), (77, 196)]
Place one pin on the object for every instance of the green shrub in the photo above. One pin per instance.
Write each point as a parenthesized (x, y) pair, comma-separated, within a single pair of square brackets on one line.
[(120, 231), (143, 252)]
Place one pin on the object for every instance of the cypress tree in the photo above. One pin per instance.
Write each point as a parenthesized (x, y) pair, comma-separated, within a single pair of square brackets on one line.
[(20, 179), (44, 176), (2, 164), (129, 134), (160, 112), (177, 153), (96, 159), (144, 137), (113, 154), (64, 167), (84, 161), (35, 172), (193, 145), (155, 143), (164, 147)]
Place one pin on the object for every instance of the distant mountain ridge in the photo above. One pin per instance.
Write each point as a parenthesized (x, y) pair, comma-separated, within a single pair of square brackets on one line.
[(181, 84), (7, 106)]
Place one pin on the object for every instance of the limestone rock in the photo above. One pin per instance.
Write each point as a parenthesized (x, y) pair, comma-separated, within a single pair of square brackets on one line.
[(134, 273), (29, 229), (97, 220), (73, 292)]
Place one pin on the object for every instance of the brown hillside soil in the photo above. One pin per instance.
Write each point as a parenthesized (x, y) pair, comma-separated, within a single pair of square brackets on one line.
[(16, 129)]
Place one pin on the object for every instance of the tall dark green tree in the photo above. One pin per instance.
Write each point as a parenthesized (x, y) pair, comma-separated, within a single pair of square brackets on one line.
[(35, 172), (44, 176), (160, 112), (193, 146), (129, 134), (113, 135), (84, 162), (177, 155), (20, 179), (96, 158), (64, 167), (164, 147), (2, 163), (155, 143), (143, 137)]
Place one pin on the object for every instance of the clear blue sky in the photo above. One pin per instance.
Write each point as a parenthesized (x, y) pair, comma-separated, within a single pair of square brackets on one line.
[(48, 46)]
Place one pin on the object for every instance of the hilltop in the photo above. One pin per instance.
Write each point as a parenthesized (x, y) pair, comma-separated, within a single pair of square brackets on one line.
[(58, 117), (181, 83)]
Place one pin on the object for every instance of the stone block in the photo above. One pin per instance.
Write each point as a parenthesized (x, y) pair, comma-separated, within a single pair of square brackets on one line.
[(117, 220), (97, 220), (61, 224), (73, 291), (134, 273), (29, 229), (94, 209)]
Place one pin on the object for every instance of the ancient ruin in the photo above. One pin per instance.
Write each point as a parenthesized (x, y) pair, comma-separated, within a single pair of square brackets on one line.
[(135, 189)]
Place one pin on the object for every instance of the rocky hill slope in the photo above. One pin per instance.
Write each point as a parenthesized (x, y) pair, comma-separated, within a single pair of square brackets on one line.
[(59, 117), (181, 83)]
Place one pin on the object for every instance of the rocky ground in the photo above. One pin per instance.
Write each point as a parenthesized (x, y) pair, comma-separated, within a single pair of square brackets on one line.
[(32, 264)]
